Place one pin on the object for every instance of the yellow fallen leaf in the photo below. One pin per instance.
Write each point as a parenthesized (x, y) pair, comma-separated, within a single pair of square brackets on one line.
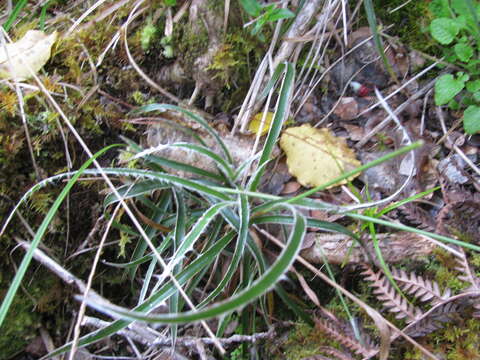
[(32, 50), (315, 156), (254, 125)]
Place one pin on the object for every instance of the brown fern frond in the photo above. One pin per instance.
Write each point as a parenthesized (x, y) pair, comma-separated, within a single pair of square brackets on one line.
[(418, 216), (317, 357), (435, 320), (465, 271), (339, 334), (423, 289), (460, 218), (392, 300), (468, 275), (341, 355)]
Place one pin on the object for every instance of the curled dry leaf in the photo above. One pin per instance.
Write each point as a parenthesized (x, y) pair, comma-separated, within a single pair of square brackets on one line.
[(315, 156), (290, 187), (30, 52), (347, 108)]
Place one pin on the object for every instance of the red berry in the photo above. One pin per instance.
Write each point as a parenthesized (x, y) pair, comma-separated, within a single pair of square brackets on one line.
[(363, 91)]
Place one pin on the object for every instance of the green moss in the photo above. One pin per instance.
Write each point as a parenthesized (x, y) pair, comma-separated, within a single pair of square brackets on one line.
[(22, 322), (303, 341), (189, 44), (411, 23)]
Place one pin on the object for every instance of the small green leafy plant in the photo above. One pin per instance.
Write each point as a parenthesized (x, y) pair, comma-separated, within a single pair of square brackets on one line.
[(456, 26), (264, 14)]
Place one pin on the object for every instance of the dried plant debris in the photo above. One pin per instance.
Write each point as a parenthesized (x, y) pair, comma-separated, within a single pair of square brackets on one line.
[(339, 249), (30, 53), (461, 219), (315, 156), (453, 168), (418, 216), (362, 65), (344, 334), (435, 320), (381, 177)]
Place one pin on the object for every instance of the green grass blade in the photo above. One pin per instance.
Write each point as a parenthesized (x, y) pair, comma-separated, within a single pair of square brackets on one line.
[(414, 230), (12, 290), (157, 216), (180, 230), (259, 287), (272, 82), (155, 299), (43, 15), (198, 229), (15, 12), (397, 204), (193, 185), (280, 116), (164, 162), (128, 191), (293, 306), (147, 280), (219, 161), (288, 220), (372, 23), (238, 253)]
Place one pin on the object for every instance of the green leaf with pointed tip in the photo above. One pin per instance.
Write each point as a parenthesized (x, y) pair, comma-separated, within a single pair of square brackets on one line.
[(471, 119), (444, 30), (439, 8), (446, 88), (473, 86), (463, 51)]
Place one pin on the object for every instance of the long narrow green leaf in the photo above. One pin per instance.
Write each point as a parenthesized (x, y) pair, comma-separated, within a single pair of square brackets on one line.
[(414, 230), (281, 114), (130, 191), (155, 299), (203, 150), (238, 253), (172, 179), (198, 229), (272, 82), (15, 12), (372, 22), (12, 290), (288, 220), (147, 279), (161, 161), (157, 216), (259, 287), (164, 162), (180, 230)]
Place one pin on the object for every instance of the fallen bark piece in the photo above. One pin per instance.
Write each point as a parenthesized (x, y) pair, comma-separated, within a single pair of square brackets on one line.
[(176, 129), (395, 247), (315, 156)]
